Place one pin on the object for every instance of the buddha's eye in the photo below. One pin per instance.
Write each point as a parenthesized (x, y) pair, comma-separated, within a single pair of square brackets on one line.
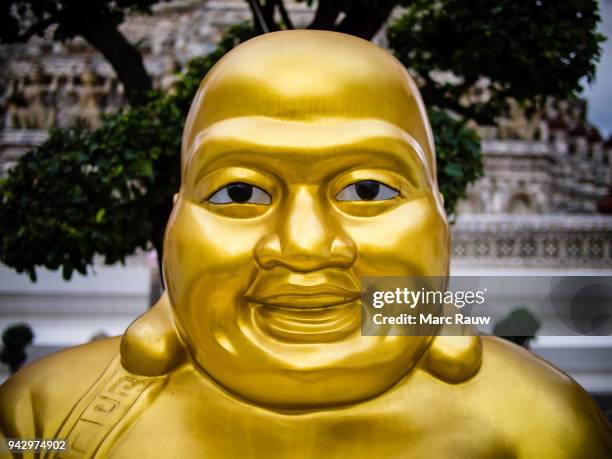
[(240, 193), (366, 190)]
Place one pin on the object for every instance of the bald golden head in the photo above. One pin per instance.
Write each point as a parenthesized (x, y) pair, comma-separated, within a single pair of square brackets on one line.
[(307, 164), (314, 79)]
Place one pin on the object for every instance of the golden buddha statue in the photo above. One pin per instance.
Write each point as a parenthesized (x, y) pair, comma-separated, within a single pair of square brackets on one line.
[(307, 163)]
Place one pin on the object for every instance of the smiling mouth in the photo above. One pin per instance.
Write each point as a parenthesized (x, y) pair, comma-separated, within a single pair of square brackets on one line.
[(284, 288), (312, 307), (308, 324)]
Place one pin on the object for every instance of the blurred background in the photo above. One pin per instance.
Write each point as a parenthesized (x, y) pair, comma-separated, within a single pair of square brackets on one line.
[(534, 192)]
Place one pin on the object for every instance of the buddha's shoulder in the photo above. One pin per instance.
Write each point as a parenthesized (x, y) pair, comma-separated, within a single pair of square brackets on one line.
[(543, 402), (520, 365), (519, 372), (43, 392)]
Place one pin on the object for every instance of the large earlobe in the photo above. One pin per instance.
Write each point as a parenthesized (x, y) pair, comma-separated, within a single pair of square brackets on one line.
[(453, 359), (151, 345), (441, 198)]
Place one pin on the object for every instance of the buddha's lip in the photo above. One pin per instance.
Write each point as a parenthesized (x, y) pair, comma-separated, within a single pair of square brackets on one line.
[(319, 300), (304, 290)]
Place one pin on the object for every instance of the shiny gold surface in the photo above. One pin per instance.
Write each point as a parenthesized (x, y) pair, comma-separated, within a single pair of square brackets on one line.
[(256, 349), (302, 122)]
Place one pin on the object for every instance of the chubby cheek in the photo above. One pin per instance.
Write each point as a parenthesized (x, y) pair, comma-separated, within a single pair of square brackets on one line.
[(409, 240), (204, 251)]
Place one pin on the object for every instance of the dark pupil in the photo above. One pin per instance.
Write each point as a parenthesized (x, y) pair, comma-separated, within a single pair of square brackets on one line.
[(240, 192), (368, 189)]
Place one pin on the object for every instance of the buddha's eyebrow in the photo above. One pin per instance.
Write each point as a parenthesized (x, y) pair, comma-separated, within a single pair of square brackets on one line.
[(310, 165), (271, 141)]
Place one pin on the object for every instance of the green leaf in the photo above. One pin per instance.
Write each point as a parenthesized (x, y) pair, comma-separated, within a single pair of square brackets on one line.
[(100, 215), (453, 170), (144, 167)]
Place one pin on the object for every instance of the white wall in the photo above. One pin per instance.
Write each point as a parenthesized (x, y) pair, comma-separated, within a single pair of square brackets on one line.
[(69, 313)]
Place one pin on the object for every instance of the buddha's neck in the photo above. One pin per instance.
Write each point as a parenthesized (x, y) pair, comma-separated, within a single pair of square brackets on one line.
[(220, 398)]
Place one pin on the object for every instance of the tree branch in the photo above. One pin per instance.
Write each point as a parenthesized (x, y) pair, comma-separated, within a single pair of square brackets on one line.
[(268, 10), (122, 55), (261, 25), (326, 15), (365, 20), (284, 15), (268, 14), (36, 29)]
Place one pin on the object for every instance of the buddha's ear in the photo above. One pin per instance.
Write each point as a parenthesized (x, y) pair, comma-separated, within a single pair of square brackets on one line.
[(441, 198), (151, 345), (453, 359)]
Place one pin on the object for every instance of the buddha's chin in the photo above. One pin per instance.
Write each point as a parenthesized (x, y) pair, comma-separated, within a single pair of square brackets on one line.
[(314, 387), (268, 359)]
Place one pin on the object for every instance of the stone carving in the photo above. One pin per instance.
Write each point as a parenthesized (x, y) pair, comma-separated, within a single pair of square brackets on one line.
[(42, 100)]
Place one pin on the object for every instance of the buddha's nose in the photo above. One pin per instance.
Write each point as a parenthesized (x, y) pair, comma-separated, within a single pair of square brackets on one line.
[(306, 238)]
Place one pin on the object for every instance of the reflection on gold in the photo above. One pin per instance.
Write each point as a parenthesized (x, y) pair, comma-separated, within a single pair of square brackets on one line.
[(307, 163)]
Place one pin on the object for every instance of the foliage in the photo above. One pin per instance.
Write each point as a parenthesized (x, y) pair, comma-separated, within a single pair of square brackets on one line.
[(519, 326), (526, 50), (107, 191), (15, 338), (458, 155)]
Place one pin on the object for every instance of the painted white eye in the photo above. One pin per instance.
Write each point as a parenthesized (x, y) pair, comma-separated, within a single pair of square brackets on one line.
[(240, 193), (366, 190)]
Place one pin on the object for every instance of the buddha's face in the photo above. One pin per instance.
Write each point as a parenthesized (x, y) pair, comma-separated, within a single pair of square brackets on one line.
[(307, 164)]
